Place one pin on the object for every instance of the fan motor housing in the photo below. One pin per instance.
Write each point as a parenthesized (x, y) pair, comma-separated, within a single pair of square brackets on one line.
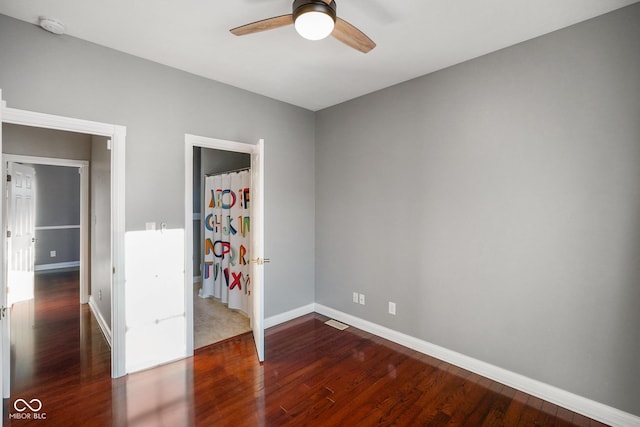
[(304, 6)]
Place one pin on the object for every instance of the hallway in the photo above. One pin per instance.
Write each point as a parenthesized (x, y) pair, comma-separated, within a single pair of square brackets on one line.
[(56, 345)]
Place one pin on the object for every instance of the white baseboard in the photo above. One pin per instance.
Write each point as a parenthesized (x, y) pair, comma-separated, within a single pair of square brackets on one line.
[(573, 402), (289, 315), (57, 266), (106, 331)]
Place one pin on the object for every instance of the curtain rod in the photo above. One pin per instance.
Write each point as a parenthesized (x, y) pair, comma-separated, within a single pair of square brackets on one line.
[(231, 171)]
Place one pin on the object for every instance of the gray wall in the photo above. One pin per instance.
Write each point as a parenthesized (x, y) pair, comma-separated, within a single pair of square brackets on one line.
[(100, 212), (33, 141), (57, 204), (497, 202), (58, 195), (65, 242), (158, 105), (220, 161)]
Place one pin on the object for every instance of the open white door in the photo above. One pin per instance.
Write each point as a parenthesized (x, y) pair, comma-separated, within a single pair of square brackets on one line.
[(257, 247), (4, 330), (20, 254), (21, 231)]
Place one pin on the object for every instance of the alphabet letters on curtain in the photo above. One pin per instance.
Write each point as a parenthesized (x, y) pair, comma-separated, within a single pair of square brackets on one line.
[(225, 273)]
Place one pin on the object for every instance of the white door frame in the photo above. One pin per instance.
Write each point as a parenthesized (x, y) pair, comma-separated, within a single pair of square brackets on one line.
[(192, 141), (117, 134), (83, 169), (4, 329)]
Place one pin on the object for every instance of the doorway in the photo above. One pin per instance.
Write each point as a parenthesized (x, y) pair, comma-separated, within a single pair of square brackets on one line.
[(59, 243), (53, 275), (214, 318), (256, 251), (61, 226), (116, 139)]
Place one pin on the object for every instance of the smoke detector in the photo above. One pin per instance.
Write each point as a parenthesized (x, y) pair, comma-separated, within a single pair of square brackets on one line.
[(52, 25)]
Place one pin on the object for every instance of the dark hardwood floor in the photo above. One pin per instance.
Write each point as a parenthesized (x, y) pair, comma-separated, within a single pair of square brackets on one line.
[(314, 375)]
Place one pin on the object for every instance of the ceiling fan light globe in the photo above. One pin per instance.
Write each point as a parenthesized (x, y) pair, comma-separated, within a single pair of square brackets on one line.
[(314, 25)]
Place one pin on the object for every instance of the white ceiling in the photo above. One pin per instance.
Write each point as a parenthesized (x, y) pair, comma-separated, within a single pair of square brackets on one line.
[(414, 37)]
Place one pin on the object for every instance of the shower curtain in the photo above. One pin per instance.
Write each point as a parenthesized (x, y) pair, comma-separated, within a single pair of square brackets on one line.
[(227, 225)]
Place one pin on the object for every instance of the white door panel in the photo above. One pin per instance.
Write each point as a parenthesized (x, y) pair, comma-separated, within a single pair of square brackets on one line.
[(21, 232), (20, 255), (4, 331), (257, 248)]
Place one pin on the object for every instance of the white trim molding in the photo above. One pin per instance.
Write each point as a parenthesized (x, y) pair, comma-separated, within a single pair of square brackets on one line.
[(289, 315), (106, 331), (57, 227), (49, 121), (566, 399), (50, 161), (220, 144), (57, 266)]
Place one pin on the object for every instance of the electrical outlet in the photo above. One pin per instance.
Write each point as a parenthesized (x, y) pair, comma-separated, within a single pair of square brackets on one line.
[(392, 308), (355, 297), (52, 254), (362, 299)]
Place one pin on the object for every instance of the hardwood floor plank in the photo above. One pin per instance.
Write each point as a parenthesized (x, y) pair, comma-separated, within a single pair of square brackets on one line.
[(407, 409), (548, 415), (532, 411), (404, 401), (516, 408), (356, 399), (313, 375), (439, 392), (498, 405), (581, 420), (398, 395), (476, 405)]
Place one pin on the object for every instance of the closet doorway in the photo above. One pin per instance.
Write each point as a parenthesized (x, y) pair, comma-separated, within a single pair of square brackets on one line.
[(221, 226)]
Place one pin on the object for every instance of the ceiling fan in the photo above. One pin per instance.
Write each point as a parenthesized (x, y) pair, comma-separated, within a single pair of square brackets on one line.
[(313, 20)]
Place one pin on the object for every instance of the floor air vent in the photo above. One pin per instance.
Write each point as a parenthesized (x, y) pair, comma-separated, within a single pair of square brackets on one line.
[(336, 324)]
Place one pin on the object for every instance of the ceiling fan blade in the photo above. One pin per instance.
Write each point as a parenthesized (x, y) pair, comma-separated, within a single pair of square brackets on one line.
[(264, 25), (351, 36)]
